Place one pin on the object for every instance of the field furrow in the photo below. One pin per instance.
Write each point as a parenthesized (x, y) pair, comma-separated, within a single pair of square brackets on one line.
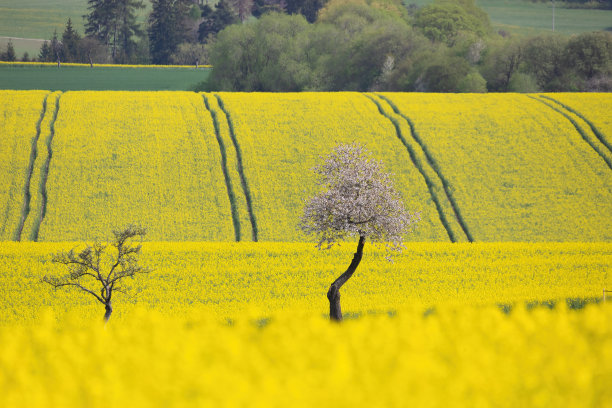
[(593, 108), (519, 170), (223, 130), (136, 157), (403, 130), (436, 168), (282, 137), (27, 194), (32, 221), (581, 127), (240, 167), (44, 173), (20, 113), (228, 182)]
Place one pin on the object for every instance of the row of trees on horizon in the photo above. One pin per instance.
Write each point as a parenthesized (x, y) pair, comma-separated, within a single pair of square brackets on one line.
[(329, 45)]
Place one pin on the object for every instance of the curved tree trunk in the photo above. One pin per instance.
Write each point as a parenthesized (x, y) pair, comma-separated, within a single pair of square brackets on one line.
[(109, 310), (333, 294)]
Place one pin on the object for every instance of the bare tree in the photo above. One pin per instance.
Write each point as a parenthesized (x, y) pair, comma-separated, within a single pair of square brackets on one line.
[(358, 200), (86, 267)]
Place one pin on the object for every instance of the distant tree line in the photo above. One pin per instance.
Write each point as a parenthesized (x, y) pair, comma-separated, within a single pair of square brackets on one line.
[(367, 45), (329, 45)]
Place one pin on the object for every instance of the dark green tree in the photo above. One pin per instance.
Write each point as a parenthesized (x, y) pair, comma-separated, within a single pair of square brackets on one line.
[(114, 24), (308, 8), (544, 59), (9, 54), (215, 20), (70, 43), (590, 54), (56, 48), (445, 19), (167, 28), (45, 54)]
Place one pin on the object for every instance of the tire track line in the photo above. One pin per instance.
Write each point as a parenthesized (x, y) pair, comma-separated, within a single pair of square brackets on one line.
[(243, 180), (419, 167), (435, 167), (45, 174), (594, 129), (27, 195), (228, 181), (591, 141)]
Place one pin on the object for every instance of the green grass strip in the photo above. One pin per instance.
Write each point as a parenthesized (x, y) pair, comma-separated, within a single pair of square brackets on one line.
[(243, 180), (419, 167), (25, 209), (580, 130), (45, 175), (596, 131), (228, 181), (435, 167)]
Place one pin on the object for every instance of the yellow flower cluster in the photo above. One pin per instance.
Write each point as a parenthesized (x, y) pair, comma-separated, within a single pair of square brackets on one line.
[(458, 357), (518, 169), (244, 324), (76, 64)]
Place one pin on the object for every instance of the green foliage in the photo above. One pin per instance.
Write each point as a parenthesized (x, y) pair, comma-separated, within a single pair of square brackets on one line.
[(114, 23), (70, 43), (262, 55), (9, 54), (445, 19), (544, 58), (591, 53), (167, 28), (216, 20), (472, 82), (524, 83)]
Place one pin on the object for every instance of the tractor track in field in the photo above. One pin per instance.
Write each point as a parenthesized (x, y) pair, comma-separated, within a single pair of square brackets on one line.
[(594, 142), (243, 180), (228, 181), (433, 165), (419, 167), (27, 195), (594, 129), (45, 174)]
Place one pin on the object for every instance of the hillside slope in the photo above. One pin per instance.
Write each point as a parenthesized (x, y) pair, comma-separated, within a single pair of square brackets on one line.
[(231, 166)]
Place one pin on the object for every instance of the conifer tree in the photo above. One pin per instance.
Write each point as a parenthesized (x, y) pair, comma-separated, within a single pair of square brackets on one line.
[(9, 55), (114, 24), (45, 54), (70, 42), (167, 28)]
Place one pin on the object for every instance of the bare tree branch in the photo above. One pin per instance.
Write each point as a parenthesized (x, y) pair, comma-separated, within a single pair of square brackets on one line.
[(89, 261)]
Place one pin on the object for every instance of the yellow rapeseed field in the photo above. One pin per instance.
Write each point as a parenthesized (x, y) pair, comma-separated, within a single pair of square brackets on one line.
[(244, 324), (497, 167), (594, 107), (282, 137), (518, 169), (146, 157), (20, 112), (228, 278)]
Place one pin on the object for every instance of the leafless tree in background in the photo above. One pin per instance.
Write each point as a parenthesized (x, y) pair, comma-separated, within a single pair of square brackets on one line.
[(86, 267), (358, 200)]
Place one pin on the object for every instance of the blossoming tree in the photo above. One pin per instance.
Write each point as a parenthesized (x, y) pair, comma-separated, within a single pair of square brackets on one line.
[(357, 200)]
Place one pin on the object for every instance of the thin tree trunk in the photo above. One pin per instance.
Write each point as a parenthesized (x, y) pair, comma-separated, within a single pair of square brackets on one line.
[(333, 294), (109, 310)]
